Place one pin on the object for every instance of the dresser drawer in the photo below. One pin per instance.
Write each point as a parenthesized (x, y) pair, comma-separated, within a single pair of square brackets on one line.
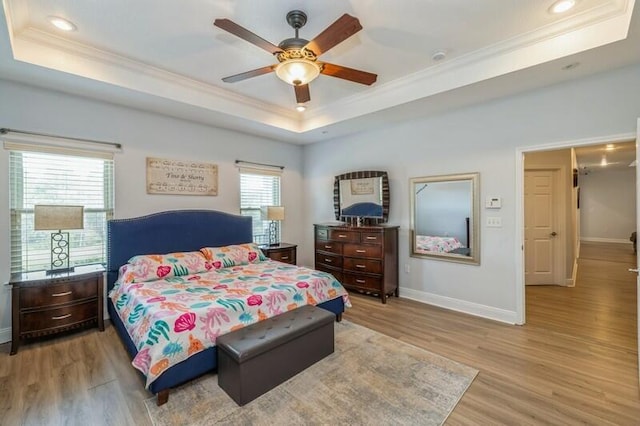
[(329, 246), (34, 297), (348, 236), (363, 265), (322, 234), (362, 281), (337, 273), (329, 260), (51, 319), (362, 250), (371, 237)]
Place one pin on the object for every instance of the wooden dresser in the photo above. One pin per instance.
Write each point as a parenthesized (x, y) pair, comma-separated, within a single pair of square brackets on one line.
[(47, 304), (362, 258)]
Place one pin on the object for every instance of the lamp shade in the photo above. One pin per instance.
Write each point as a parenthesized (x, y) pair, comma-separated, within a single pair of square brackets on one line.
[(272, 212), (55, 217), (297, 71)]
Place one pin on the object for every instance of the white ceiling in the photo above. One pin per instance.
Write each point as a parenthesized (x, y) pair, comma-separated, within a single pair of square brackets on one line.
[(166, 56), (603, 157)]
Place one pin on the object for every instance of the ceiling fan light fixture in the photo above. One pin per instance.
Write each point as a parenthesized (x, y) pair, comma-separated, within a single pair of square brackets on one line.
[(297, 71)]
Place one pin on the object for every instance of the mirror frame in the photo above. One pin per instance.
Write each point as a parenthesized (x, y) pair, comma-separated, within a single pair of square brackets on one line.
[(474, 219), (362, 175)]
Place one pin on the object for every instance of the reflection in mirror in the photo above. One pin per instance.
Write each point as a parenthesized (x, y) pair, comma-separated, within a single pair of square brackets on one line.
[(361, 197), (444, 217)]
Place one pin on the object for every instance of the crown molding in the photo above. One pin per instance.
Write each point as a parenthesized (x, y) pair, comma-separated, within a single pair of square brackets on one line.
[(607, 23)]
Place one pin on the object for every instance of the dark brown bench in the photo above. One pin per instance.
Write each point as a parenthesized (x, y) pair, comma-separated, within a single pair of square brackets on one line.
[(257, 358)]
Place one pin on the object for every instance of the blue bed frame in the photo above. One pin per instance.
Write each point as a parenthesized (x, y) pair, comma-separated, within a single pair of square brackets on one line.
[(168, 232)]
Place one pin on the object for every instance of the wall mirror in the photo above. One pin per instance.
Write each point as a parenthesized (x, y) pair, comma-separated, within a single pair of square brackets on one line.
[(363, 195), (445, 215)]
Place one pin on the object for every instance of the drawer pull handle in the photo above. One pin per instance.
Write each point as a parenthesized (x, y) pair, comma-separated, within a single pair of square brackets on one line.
[(66, 293), (284, 257), (361, 251), (342, 236), (328, 247), (360, 266), (328, 260), (61, 317), (361, 281), (372, 238)]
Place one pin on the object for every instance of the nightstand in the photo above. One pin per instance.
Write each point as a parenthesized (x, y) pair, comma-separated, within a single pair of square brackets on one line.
[(283, 252), (47, 304)]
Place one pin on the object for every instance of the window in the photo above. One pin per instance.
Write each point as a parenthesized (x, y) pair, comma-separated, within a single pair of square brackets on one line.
[(259, 188), (55, 176)]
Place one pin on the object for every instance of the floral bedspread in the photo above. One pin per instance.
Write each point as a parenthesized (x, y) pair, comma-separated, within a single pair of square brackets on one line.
[(171, 319), (428, 243)]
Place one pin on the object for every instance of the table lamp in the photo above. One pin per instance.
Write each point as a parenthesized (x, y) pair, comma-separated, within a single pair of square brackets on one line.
[(56, 218), (273, 214)]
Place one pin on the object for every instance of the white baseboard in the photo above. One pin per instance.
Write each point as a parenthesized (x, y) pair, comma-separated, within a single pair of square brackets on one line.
[(463, 306), (606, 240), (5, 335)]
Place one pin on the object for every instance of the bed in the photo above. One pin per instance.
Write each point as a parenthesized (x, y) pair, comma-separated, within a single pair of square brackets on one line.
[(188, 231)]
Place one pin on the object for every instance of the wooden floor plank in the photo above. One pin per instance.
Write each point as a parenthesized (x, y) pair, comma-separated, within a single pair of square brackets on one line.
[(574, 362)]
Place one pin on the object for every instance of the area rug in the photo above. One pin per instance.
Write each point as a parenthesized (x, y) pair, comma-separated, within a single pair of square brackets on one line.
[(369, 379)]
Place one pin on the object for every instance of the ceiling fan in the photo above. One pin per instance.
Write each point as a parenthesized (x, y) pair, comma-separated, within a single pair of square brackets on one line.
[(298, 58)]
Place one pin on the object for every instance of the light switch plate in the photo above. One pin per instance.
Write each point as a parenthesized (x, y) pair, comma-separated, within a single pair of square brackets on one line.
[(494, 222)]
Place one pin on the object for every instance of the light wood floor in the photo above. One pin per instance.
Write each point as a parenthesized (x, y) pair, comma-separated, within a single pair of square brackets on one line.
[(574, 362)]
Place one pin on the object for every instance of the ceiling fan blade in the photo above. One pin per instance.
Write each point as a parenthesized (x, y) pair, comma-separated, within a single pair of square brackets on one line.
[(247, 35), (340, 30), (350, 74), (302, 93), (248, 74)]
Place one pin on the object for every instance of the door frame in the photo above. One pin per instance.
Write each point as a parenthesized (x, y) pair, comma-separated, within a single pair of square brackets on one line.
[(559, 216), (519, 204)]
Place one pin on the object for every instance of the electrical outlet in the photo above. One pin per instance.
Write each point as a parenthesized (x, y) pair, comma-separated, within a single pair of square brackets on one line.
[(494, 222), (407, 268)]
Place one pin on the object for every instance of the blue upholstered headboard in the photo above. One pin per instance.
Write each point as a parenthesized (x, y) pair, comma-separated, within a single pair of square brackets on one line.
[(171, 231)]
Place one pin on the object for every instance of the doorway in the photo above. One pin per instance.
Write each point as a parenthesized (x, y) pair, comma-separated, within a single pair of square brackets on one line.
[(520, 211)]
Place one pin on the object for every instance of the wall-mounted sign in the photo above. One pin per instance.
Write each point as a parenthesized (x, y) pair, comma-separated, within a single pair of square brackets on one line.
[(176, 177)]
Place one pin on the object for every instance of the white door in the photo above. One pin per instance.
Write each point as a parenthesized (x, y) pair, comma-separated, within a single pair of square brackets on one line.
[(540, 228), (638, 233)]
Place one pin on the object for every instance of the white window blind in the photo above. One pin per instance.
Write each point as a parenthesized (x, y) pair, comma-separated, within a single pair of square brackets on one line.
[(46, 177), (259, 188)]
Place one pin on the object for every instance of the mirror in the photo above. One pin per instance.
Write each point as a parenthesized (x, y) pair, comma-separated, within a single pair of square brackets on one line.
[(444, 217), (363, 195)]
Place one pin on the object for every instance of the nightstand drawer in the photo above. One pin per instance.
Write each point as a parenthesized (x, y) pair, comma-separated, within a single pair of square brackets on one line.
[(34, 297), (47, 320), (286, 256)]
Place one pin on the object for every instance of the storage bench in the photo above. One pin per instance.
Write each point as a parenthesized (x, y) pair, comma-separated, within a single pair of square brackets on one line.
[(257, 358)]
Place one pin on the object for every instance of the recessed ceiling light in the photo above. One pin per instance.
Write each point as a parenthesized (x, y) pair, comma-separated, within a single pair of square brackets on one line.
[(562, 6), (62, 24), (439, 55), (300, 108)]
